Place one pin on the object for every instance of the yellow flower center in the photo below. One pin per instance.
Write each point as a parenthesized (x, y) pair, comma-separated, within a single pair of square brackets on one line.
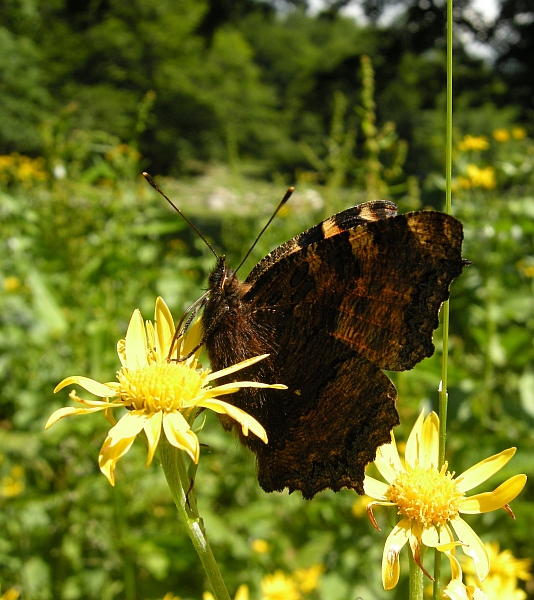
[(426, 495), (167, 386)]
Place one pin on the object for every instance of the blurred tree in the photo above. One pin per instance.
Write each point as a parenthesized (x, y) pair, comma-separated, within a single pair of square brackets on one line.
[(24, 97), (512, 36), (221, 12)]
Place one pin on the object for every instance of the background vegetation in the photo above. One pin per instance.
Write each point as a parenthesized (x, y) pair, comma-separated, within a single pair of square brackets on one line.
[(230, 102)]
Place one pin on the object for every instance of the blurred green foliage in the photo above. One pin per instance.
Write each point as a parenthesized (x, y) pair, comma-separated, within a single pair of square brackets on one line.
[(80, 253), (246, 79), (93, 93)]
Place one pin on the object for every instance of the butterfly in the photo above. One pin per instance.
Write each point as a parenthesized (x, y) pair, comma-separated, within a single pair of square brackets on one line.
[(333, 307)]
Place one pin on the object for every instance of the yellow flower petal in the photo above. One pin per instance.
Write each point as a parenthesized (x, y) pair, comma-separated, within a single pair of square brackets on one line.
[(193, 338), (473, 546), (411, 454), (429, 447), (231, 388), (150, 335), (432, 538), (390, 559), (92, 386), (456, 590), (94, 403), (246, 421), (179, 434), (242, 592), (128, 426), (415, 546), (110, 453), (388, 462), (164, 328), (483, 470), (374, 488), (488, 501), (67, 411), (456, 569), (152, 429), (136, 342), (237, 367)]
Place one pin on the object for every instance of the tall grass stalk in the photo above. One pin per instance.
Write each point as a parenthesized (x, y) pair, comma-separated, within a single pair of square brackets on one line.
[(443, 397)]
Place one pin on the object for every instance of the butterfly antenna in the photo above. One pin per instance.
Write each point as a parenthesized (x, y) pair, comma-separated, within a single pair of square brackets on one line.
[(155, 186), (286, 197)]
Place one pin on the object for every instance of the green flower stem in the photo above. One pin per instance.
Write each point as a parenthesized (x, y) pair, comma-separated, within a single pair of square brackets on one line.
[(416, 580), (184, 495)]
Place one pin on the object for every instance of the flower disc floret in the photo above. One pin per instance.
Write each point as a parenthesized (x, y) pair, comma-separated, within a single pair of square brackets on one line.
[(168, 386), (426, 495)]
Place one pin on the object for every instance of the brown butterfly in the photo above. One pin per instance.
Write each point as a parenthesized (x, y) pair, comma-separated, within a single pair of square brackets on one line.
[(357, 293)]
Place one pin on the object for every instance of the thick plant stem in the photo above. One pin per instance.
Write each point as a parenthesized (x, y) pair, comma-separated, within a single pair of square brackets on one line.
[(184, 496), (416, 580)]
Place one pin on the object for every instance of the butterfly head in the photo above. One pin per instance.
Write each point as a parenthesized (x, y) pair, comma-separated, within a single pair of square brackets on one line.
[(225, 290)]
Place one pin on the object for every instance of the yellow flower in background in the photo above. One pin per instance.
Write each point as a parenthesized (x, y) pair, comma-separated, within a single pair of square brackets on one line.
[(501, 135), (464, 183), (11, 594), (359, 506), (308, 579), (527, 267), (12, 284), (473, 143), (12, 485), (429, 499), (481, 177), (505, 571), (241, 594), (279, 586), (159, 391), (519, 133), (260, 546), (505, 564)]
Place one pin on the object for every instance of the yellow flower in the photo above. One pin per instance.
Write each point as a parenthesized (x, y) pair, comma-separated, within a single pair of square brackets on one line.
[(359, 506), (473, 142), (241, 594), (11, 594), (307, 580), (465, 183), (159, 391), (429, 498), (12, 485), (519, 133), (260, 546), (484, 178), (497, 588), (501, 135), (12, 284), (505, 570), (279, 586), (527, 267)]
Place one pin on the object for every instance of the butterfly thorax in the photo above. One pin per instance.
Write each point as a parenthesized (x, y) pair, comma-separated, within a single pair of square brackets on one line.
[(230, 335)]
